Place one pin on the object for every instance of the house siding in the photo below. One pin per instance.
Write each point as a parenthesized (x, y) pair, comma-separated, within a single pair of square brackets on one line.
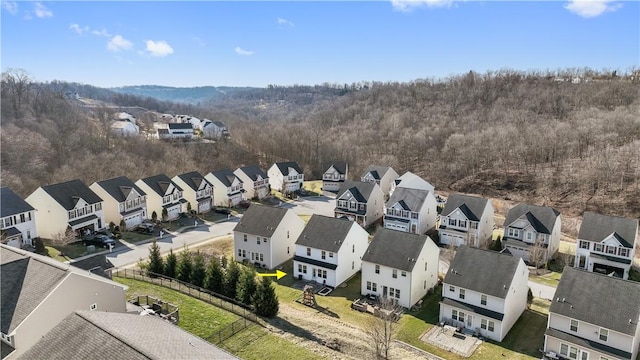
[(154, 201), (250, 188), (28, 229), (479, 237), (591, 332), (223, 195), (281, 183), (111, 207), (591, 260), (198, 205)]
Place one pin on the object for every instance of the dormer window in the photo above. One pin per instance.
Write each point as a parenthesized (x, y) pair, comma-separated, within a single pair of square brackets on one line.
[(604, 334), (573, 326)]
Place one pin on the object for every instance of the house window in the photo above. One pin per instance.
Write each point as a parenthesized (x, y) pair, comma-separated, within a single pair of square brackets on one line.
[(353, 248), (462, 223), (514, 232), (353, 265), (342, 203), (330, 254), (261, 257), (244, 253), (397, 293), (529, 236), (239, 252), (403, 274), (452, 288), (491, 326), (368, 285), (377, 269), (374, 287), (93, 306), (483, 324), (414, 216), (287, 249), (258, 240), (454, 314), (597, 247), (424, 285), (611, 250), (564, 349), (573, 352), (452, 222), (604, 334), (245, 237), (584, 244), (474, 225), (308, 251), (322, 273), (302, 269), (623, 252), (395, 274), (483, 299), (425, 266), (574, 325), (264, 240), (323, 254), (461, 295), (98, 206), (287, 234)]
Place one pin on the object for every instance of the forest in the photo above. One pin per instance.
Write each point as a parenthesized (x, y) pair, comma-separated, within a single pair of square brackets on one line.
[(567, 138)]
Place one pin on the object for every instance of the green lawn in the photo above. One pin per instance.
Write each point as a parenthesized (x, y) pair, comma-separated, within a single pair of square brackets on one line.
[(70, 251), (54, 254), (551, 279), (314, 186), (134, 237)]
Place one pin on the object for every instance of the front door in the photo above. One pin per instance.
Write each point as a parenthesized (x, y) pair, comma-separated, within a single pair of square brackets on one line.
[(384, 291)]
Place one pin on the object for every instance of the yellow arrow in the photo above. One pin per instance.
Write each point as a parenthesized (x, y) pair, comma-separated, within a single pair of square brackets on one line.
[(279, 274)]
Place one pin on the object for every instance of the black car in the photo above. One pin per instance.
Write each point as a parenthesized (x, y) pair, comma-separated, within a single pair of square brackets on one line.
[(144, 228), (99, 240)]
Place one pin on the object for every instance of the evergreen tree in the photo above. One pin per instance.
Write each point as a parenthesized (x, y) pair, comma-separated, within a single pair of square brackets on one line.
[(156, 264), (198, 270), (231, 277), (265, 299), (246, 286), (184, 266), (170, 264), (213, 279), (154, 216), (223, 262), (497, 245)]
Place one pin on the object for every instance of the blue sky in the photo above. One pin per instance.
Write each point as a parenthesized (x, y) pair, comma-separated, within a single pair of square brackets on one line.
[(199, 43)]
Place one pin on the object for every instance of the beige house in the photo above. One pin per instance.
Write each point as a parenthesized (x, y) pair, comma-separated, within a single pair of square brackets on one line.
[(254, 181), (162, 193), (123, 201), (286, 177), (196, 190), (39, 292), (228, 189), (384, 176)]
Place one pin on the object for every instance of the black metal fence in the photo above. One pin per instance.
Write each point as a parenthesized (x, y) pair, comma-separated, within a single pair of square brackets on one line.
[(218, 336)]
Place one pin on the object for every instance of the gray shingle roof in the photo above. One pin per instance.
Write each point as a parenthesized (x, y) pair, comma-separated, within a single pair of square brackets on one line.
[(284, 167), (325, 233), (413, 181), (160, 183), (542, 218), (252, 171), (68, 193), (396, 249), (596, 227), (119, 188), (11, 203), (598, 299), (225, 176), (340, 166), (218, 123), (90, 334), (182, 126), (360, 190), (409, 199), (260, 220), (194, 179), (377, 171), (471, 206), (96, 264), (484, 271)]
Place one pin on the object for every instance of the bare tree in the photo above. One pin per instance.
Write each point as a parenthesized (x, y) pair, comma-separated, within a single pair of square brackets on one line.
[(538, 254), (65, 238), (381, 328), (16, 84)]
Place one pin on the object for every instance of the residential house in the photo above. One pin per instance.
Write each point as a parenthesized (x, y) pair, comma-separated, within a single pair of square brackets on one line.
[(606, 244), (70, 204), (123, 201), (38, 292), (286, 177), (214, 129), (532, 232), (254, 181), (334, 176), (17, 219), (594, 316), (228, 189), (410, 210), (173, 131), (410, 180), (163, 194), (197, 190), (265, 236), (484, 292), (186, 119), (384, 176), (466, 220), (126, 117), (85, 334), (98, 264), (329, 250), (124, 128), (400, 266), (361, 202)]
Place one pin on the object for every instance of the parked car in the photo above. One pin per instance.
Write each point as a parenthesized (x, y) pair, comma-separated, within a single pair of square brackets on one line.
[(223, 211), (99, 240), (144, 228), (106, 232)]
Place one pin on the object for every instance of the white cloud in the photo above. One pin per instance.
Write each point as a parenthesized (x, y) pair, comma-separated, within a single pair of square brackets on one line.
[(159, 48), (10, 6), (78, 29), (41, 11), (118, 43), (283, 21), (102, 33), (591, 8), (241, 51), (408, 5)]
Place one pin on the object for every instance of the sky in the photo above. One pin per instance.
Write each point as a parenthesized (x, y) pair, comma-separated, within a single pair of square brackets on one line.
[(258, 43)]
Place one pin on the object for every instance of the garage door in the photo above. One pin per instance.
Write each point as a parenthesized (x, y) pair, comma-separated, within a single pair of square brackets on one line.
[(173, 212), (133, 220)]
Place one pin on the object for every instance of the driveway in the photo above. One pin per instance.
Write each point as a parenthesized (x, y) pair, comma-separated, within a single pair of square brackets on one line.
[(309, 205)]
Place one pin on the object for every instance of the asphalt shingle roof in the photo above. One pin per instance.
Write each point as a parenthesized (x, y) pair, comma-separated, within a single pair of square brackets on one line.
[(340, 166), (284, 167), (360, 190), (68, 193), (377, 171), (596, 227), (252, 171), (181, 126), (325, 233), (119, 188), (96, 264), (225, 176), (260, 220), (160, 183), (542, 218), (396, 249), (87, 334), (11, 203), (485, 271), (409, 199), (471, 206), (598, 299), (194, 179), (413, 181)]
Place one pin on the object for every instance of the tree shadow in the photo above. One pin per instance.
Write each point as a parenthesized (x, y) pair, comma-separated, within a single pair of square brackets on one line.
[(286, 326)]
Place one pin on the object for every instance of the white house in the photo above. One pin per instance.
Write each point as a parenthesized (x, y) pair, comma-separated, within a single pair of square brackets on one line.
[(196, 190), (38, 292), (266, 236), (228, 189), (410, 180), (123, 200), (285, 176), (186, 119), (594, 316), (329, 250), (125, 128), (466, 220), (17, 219), (162, 193), (66, 205), (254, 181), (214, 129), (410, 210), (384, 176), (126, 117), (532, 232), (361, 202), (400, 266), (484, 292), (606, 244), (175, 131), (335, 174)]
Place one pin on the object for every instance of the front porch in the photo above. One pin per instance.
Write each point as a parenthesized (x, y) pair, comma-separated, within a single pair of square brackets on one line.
[(360, 219)]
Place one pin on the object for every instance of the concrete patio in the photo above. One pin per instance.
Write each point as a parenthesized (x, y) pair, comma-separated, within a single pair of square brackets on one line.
[(443, 337)]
